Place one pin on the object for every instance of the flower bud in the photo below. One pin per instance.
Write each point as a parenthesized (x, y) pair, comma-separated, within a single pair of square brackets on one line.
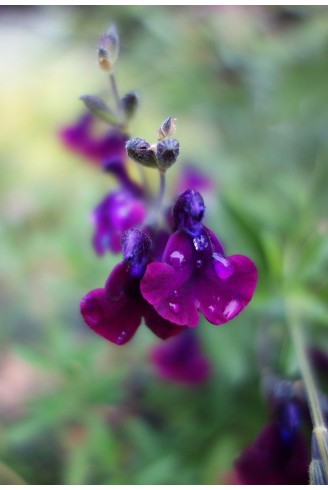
[(141, 152), (167, 128), (136, 248), (188, 211), (167, 152), (108, 48), (99, 108), (129, 104)]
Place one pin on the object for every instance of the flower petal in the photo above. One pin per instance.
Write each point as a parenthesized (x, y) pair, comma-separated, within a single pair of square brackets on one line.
[(220, 300), (158, 325), (181, 359), (117, 212), (167, 290), (109, 318)]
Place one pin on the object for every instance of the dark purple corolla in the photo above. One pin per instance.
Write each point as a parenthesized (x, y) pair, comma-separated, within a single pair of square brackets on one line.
[(81, 139), (279, 455), (191, 177), (117, 212), (181, 359), (274, 459), (195, 275), (116, 311)]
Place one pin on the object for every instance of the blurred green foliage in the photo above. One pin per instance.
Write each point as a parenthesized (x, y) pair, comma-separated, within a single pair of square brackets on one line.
[(248, 86)]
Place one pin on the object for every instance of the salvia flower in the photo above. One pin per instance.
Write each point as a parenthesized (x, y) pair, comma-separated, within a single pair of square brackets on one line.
[(279, 454), (116, 311), (274, 460), (181, 359), (80, 138), (191, 177), (195, 274), (116, 213)]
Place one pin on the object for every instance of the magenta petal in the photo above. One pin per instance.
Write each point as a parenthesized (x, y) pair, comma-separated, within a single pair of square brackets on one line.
[(168, 291), (114, 312), (158, 325), (219, 299), (181, 359)]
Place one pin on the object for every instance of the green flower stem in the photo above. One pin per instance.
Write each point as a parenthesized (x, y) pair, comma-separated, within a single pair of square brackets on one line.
[(159, 200), (115, 93), (319, 426), (9, 477)]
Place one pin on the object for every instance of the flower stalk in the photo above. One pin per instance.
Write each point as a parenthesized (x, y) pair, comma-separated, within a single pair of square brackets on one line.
[(319, 427), (113, 85), (9, 477)]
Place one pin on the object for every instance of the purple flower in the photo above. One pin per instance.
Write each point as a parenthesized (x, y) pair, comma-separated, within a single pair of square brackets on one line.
[(181, 359), (192, 177), (116, 311), (274, 460), (195, 274), (117, 212), (80, 139)]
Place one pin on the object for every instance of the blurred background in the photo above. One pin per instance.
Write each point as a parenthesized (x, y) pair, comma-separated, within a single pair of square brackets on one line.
[(248, 86)]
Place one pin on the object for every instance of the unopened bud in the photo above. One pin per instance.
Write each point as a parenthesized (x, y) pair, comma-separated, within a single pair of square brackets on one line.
[(167, 128), (167, 153), (108, 48), (141, 152), (129, 104), (99, 108)]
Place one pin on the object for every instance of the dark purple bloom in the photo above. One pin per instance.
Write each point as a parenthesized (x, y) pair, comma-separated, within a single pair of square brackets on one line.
[(181, 359), (116, 311), (192, 177), (195, 274), (117, 212), (80, 138), (273, 460)]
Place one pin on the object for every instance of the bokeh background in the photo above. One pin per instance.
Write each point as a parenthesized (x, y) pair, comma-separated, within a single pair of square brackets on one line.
[(248, 86)]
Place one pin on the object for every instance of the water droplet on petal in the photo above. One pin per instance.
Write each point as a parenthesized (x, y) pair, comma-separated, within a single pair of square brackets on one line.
[(231, 309), (175, 308), (222, 266), (200, 242), (122, 337), (176, 293), (199, 263), (177, 258), (212, 308)]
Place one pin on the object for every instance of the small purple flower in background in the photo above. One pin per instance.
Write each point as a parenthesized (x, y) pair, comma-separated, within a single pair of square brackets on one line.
[(279, 454), (80, 138), (273, 460), (181, 359), (195, 274), (191, 177), (115, 312)]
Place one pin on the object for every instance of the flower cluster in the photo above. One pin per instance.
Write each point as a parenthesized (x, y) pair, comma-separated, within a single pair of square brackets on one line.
[(174, 268)]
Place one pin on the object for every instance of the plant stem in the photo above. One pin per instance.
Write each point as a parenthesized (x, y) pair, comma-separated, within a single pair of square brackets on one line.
[(160, 196), (9, 477), (115, 93), (318, 421)]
